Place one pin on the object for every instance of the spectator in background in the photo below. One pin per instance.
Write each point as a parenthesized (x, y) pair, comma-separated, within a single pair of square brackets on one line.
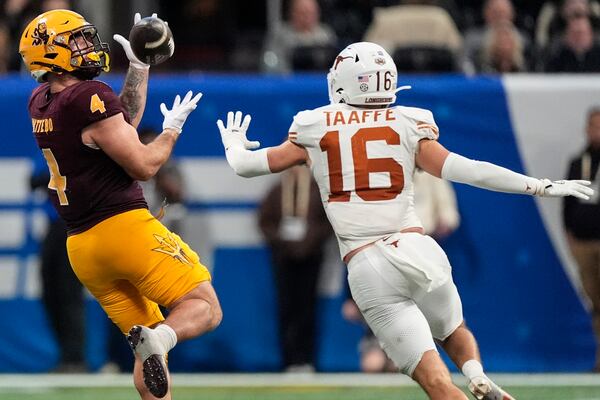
[(293, 221), (350, 18), (5, 47), (164, 193), (578, 51), (421, 38), (16, 14), (204, 33), (301, 43), (582, 222), (373, 359), (449, 5), (569, 9), (502, 50), (555, 16), (435, 205), (495, 13), (62, 293)]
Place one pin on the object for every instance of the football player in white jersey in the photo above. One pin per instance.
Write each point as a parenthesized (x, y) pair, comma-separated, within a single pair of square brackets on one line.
[(363, 152)]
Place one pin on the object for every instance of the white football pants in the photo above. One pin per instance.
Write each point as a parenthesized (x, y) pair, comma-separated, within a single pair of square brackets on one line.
[(403, 313)]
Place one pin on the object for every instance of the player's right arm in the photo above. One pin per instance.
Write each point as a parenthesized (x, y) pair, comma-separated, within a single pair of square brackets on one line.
[(435, 159), (135, 88), (264, 161), (120, 141), (134, 93)]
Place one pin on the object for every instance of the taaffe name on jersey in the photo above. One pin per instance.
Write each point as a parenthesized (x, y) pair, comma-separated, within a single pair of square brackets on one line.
[(359, 117)]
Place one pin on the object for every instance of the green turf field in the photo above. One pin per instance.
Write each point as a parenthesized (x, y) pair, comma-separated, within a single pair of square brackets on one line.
[(283, 387), (289, 393)]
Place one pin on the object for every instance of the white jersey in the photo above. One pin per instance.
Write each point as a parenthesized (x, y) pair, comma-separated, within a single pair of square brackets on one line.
[(363, 161)]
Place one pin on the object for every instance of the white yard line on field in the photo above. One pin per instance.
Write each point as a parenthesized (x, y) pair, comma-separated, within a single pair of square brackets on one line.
[(281, 380)]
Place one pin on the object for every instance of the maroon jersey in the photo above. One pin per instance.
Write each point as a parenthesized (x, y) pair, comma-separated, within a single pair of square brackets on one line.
[(86, 185)]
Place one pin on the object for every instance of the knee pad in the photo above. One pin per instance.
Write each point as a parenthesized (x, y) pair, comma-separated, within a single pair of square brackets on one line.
[(403, 333)]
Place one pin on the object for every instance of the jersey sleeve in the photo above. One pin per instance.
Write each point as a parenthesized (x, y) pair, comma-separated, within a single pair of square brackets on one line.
[(301, 126), (421, 125), (93, 101)]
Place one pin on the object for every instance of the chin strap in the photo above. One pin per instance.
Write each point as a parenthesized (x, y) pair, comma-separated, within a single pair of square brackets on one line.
[(405, 87)]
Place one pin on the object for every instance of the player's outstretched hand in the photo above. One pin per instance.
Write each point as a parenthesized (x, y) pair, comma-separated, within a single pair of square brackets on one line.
[(133, 60), (176, 116), (235, 131), (577, 188)]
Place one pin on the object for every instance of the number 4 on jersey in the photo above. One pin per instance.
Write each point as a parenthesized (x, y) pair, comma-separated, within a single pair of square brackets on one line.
[(96, 104), (57, 182)]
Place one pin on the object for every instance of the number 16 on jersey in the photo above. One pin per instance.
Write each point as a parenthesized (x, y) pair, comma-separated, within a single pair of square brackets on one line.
[(362, 165)]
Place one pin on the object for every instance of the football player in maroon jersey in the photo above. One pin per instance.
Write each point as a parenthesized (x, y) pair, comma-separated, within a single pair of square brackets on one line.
[(126, 258)]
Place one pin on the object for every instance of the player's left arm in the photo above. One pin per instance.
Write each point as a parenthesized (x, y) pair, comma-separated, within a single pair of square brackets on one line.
[(135, 88), (120, 141), (435, 159), (264, 161)]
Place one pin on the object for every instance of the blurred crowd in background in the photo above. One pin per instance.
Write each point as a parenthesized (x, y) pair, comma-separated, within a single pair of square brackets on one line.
[(282, 36)]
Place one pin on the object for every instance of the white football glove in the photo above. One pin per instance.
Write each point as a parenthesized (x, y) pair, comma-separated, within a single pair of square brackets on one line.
[(235, 131), (133, 60), (176, 116), (576, 188)]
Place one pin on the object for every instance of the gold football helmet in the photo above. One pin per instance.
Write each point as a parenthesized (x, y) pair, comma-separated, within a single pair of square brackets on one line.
[(62, 41)]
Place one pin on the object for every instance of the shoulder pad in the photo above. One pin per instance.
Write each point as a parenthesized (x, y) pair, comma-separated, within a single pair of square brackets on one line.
[(94, 84), (101, 83), (87, 88), (418, 114), (36, 92), (39, 89), (307, 118)]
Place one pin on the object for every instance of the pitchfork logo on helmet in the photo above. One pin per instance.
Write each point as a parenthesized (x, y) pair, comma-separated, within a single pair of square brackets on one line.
[(63, 41), (40, 34), (363, 73)]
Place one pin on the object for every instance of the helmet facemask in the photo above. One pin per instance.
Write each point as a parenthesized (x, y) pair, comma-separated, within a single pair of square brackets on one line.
[(89, 55)]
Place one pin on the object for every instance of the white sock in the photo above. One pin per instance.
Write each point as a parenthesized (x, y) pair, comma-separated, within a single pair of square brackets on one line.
[(472, 369), (167, 336)]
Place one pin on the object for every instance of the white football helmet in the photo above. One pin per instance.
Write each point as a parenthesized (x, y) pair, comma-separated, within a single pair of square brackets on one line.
[(363, 74)]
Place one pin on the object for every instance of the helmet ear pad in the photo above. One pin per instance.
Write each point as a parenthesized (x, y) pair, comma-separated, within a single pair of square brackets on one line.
[(336, 92), (363, 74)]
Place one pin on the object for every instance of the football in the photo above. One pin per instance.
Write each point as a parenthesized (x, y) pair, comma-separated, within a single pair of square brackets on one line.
[(151, 40)]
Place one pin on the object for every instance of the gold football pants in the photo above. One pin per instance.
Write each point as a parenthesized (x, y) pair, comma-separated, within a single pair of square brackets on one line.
[(131, 263)]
